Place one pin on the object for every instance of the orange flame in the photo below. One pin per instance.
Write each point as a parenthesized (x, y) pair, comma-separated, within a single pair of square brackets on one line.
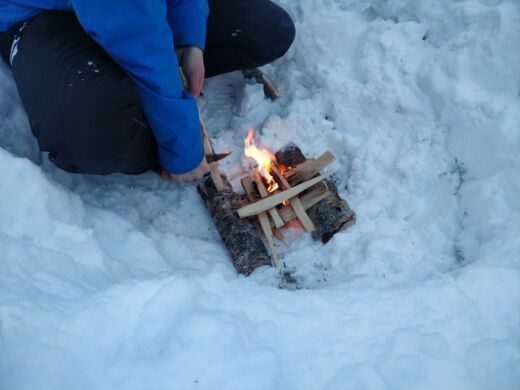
[(263, 156)]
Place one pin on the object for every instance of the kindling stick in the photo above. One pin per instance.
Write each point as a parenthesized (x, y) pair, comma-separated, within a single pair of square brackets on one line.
[(270, 202), (278, 221), (308, 200), (309, 168), (263, 219), (213, 167), (295, 202)]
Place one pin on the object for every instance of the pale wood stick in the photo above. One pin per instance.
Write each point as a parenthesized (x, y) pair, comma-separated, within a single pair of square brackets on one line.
[(266, 228), (213, 167), (295, 202), (269, 89), (184, 80), (247, 185), (273, 200), (278, 221), (310, 169), (299, 167), (263, 219), (317, 194)]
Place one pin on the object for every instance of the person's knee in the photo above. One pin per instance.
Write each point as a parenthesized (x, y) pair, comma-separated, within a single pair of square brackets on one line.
[(279, 36), (106, 142), (286, 33)]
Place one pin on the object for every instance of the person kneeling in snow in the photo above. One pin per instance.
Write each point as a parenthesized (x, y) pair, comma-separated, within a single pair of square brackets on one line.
[(99, 79)]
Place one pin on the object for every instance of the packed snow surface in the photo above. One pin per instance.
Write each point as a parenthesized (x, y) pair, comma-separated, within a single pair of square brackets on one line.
[(122, 282)]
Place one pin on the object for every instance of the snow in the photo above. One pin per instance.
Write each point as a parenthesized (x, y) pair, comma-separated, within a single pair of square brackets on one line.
[(122, 282)]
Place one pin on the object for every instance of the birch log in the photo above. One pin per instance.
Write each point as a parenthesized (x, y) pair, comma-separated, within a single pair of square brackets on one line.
[(240, 238)]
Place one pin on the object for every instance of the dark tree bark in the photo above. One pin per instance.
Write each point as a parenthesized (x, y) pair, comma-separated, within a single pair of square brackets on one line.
[(330, 215), (240, 238)]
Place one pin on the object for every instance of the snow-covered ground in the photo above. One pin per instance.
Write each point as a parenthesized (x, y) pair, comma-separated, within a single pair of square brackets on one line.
[(122, 282)]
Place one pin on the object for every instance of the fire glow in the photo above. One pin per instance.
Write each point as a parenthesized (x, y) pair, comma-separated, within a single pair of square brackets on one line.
[(263, 157)]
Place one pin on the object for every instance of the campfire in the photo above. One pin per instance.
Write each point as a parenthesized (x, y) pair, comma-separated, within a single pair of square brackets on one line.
[(283, 187), (278, 194)]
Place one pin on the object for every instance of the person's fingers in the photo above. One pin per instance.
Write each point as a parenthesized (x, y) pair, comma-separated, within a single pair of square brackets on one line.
[(196, 174), (166, 175)]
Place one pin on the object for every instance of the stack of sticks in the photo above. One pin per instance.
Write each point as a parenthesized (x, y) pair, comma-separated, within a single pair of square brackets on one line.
[(299, 188)]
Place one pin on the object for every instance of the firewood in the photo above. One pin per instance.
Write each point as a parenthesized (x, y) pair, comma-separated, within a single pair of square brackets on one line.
[(294, 170), (270, 91), (263, 220), (213, 167), (330, 215), (295, 202), (309, 168), (278, 221), (240, 238), (268, 233), (308, 199), (272, 201)]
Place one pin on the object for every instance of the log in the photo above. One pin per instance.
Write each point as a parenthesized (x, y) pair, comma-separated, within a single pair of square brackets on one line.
[(240, 238), (331, 214)]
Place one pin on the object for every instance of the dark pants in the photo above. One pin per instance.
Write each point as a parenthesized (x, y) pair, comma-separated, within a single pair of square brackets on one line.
[(88, 117)]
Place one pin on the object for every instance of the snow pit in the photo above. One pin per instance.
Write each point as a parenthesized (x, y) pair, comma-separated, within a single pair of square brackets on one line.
[(110, 282)]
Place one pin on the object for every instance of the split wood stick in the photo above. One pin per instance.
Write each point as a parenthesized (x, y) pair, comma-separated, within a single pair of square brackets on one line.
[(213, 167), (295, 202), (263, 219), (293, 170), (270, 91), (273, 200), (278, 221), (247, 185), (309, 199), (266, 228), (310, 169)]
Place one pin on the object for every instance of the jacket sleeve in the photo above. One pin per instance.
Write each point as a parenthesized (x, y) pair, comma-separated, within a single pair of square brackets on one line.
[(187, 19), (137, 36)]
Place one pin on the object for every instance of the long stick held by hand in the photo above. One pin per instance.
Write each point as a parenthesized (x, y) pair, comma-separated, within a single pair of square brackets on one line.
[(213, 167)]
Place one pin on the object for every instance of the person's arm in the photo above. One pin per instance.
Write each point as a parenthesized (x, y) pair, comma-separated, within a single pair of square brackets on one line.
[(187, 19), (136, 34)]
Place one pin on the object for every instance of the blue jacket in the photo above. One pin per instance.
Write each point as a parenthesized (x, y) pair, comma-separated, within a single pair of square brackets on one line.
[(140, 36)]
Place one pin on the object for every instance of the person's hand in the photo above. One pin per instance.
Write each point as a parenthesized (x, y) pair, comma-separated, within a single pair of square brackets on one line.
[(196, 174), (191, 60)]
